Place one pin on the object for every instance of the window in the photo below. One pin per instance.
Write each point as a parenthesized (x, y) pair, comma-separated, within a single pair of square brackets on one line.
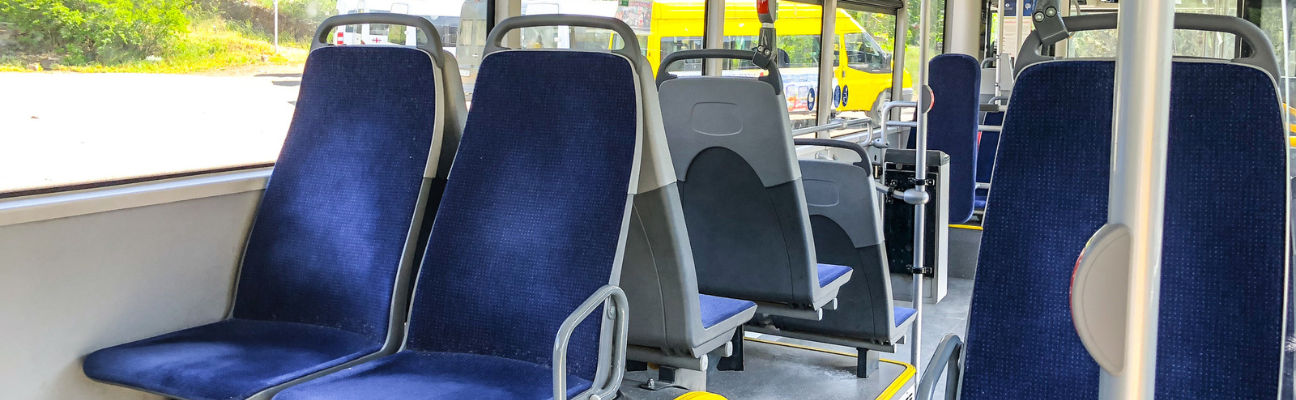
[(180, 89), (1187, 43)]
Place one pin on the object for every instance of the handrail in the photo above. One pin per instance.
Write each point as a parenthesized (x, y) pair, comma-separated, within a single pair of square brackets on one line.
[(773, 78), (947, 356), (881, 141), (494, 39), (433, 45), (620, 307), (835, 124)]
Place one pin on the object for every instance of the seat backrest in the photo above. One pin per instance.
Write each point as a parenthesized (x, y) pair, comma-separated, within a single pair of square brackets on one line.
[(333, 239), (1225, 213), (741, 188), (1226, 205), (534, 215), (952, 126), (846, 220)]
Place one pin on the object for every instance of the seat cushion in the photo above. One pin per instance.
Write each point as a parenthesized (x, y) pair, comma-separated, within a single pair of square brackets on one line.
[(420, 375), (716, 309), (231, 359), (829, 273), (902, 314), (979, 201)]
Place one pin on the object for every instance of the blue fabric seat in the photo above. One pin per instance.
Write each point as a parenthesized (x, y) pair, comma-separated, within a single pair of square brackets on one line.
[(231, 359), (420, 375), (829, 273), (316, 283), (716, 309), (903, 314), (1225, 210), (952, 126), (530, 226)]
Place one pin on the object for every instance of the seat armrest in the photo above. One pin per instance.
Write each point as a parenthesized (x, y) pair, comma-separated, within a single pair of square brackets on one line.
[(620, 307), (949, 354)]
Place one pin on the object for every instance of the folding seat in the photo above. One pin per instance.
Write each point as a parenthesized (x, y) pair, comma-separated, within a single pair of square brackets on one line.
[(528, 243), (1226, 209), (952, 126), (741, 190), (846, 220), (322, 282), (672, 324)]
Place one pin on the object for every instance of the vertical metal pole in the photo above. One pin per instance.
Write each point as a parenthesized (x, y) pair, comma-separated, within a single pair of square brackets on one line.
[(827, 54), (276, 25), (898, 62), (918, 195), (999, 33), (713, 34), (1137, 196), (1017, 42)]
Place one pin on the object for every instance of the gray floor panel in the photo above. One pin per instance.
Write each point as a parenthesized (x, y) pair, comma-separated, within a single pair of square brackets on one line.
[(776, 372)]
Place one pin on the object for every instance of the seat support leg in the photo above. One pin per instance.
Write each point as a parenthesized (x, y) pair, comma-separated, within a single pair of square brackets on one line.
[(669, 377), (734, 362), (868, 363)]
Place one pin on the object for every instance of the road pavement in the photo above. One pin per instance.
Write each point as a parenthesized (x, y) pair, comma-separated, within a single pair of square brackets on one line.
[(67, 128)]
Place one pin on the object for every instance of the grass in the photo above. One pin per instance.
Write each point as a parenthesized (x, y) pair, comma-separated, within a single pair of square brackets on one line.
[(211, 44)]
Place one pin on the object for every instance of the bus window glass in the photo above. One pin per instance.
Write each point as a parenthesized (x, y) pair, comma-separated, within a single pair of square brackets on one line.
[(1187, 43), (181, 89)]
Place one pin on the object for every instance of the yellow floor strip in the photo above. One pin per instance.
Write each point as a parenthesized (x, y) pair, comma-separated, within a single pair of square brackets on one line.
[(972, 227), (891, 390)]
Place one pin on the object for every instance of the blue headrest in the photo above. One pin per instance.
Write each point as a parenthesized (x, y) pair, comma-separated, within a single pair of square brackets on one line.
[(952, 126), (333, 224), (533, 210), (1224, 245)]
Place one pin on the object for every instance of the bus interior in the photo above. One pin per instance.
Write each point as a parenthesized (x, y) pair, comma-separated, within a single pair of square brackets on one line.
[(687, 200)]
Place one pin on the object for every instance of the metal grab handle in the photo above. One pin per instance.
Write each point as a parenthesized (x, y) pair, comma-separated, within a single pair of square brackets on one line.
[(948, 354), (620, 333), (774, 78), (1262, 55), (630, 49), (841, 144), (433, 45), (885, 113)]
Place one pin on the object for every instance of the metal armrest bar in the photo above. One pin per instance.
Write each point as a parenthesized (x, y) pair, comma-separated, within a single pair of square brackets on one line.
[(948, 354), (990, 128), (620, 307), (835, 124)]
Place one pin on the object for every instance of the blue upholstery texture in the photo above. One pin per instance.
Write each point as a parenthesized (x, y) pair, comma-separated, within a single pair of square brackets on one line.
[(421, 375), (1223, 252), (1050, 195), (902, 314), (333, 223), (1225, 211), (829, 273), (716, 309), (315, 286), (533, 209), (952, 126), (987, 146), (231, 359)]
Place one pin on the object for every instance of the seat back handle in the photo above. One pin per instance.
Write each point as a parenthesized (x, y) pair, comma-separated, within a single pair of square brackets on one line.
[(1262, 55), (774, 79), (432, 47), (630, 48), (841, 144)]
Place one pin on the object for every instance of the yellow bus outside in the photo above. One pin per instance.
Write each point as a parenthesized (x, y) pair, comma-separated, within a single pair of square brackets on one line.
[(861, 70)]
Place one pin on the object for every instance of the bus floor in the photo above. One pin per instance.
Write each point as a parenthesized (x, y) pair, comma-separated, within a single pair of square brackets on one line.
[(778, 372)]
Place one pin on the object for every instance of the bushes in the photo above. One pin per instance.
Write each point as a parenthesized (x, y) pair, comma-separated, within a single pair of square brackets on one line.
[(101, 31)]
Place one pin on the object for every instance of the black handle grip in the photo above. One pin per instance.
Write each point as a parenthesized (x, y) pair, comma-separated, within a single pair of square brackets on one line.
[(841, 144)]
